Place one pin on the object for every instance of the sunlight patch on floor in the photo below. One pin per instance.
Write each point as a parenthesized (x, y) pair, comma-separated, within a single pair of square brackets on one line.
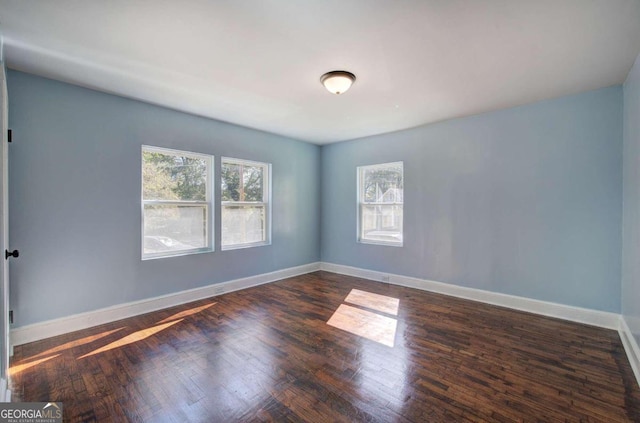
[(20, 367), (186, 313), (134, 337), (77, 342), (376, 327), (381, 303)]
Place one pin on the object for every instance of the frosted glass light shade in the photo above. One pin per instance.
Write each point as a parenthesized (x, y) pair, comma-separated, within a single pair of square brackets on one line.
[(337, 82)]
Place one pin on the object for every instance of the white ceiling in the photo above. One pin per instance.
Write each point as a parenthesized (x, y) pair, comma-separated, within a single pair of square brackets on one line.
[(258, 63)]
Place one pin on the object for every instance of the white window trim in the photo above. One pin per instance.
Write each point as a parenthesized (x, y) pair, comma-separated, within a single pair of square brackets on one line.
[(360, 204), (266, 196), (208, 203)]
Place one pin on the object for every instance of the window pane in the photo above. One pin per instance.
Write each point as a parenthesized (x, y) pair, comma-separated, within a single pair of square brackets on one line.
[(171, 228), (174, 177), (247, 188), (230, 182), (252, 179), (381, 198), (243, 224), (382, 183), (382, 223)]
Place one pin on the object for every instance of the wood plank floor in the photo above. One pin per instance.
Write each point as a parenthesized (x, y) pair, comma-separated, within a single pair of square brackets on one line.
[(268, 354)]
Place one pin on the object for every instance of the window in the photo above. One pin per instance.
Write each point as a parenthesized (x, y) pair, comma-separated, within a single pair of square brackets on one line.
[(245, 203), (176, 202), (380, 202)]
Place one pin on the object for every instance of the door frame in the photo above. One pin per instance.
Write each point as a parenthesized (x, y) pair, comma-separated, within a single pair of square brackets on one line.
[(5, 393)]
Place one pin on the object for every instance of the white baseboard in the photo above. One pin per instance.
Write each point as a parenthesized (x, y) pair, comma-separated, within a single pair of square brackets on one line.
[(575, 314), (630, 347), (47, 329), (37, 331)]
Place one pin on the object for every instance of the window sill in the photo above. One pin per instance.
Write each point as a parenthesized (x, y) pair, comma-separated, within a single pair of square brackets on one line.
[(242, 246), (388, 244), (177, 254)]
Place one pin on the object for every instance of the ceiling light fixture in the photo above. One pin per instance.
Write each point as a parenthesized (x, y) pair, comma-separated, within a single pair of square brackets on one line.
[(337, 82)]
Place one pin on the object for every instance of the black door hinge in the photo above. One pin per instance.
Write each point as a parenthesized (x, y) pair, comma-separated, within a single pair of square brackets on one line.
[(10, 316), (9, 135)]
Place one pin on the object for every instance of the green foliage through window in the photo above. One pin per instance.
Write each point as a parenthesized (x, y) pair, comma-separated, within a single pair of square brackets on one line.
[(174, 177), (242, 182)]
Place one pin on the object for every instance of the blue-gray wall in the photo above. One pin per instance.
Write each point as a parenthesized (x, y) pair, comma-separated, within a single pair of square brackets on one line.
[(631, 203), (75, 199), (524, 201)]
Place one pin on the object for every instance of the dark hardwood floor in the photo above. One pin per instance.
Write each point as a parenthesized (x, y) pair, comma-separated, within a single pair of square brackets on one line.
[(268, 354)]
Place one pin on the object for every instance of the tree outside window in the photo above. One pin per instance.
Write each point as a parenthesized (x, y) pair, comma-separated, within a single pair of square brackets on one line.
[(245, 203), (176, 202)]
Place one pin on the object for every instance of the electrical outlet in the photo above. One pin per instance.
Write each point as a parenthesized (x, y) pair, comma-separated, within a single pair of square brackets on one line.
[(385, 278), (218, 290)]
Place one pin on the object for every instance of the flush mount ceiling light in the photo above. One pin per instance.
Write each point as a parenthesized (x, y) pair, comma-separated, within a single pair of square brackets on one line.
[(337, 82)]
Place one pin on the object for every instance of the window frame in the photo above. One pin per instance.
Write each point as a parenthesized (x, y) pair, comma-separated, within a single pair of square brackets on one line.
[(360, 238), (266, 202), (208, 203)]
